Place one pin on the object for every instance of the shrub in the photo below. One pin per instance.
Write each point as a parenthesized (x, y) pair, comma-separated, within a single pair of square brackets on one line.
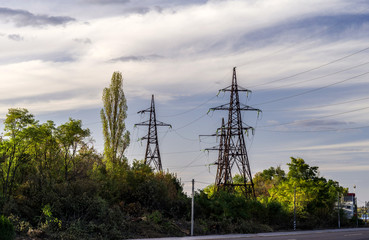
[(50, 222), (20, 226), (6, 229), (155, 217)]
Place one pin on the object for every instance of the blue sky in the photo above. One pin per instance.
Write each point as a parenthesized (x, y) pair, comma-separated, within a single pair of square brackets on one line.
[(305, 61)]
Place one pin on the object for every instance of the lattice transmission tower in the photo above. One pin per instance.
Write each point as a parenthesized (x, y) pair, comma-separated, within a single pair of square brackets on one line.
[(232, 147), (222, 165), (152, 155)]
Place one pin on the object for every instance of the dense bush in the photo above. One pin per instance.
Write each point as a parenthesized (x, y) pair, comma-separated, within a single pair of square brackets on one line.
[(103, 205), (6, 229), (224, 212)]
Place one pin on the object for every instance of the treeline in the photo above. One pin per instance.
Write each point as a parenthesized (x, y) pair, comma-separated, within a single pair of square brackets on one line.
[(278, 196), (54, 184)]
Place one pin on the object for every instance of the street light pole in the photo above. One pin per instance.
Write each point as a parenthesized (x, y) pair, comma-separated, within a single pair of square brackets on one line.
[(192, 206), (357, 215), (339, 219), (355, 207), (366, 212), (294, 209)]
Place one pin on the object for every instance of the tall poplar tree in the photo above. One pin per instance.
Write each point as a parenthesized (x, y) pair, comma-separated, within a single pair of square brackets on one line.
[(113, 116)]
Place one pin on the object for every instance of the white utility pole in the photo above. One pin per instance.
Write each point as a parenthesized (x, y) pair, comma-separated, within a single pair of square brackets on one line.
[(192, 205), (294, 209), (339, 219)]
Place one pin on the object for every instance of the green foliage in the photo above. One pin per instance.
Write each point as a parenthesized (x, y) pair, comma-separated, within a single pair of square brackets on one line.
[(13, 148), (315, 195), (267, 179), (225, 212), (298, 169), (54, 184), (113, 116), (50, 221), (229, 205), (20, 226), (155, 217), (16, 120), (6, 229), (154, 191), (70, 137), (315, 201), (210, 190)]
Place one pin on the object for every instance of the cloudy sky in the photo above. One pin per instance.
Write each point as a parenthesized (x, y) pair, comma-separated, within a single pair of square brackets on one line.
[(306, 62)]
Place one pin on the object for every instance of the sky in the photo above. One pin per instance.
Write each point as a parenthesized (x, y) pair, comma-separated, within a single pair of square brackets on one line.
[(305, 61)]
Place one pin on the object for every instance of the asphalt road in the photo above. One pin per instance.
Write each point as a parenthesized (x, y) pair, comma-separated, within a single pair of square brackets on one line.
[(334, 234), (341, 235)]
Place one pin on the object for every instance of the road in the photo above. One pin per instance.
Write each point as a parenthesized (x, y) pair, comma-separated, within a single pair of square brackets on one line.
[(338, 234), (319, 235)]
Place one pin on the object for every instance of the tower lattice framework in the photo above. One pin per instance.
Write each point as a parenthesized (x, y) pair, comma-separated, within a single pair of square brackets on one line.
[(232, 148), (152, 155)]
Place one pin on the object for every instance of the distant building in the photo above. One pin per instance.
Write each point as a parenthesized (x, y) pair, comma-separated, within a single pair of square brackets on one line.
[(348, 205)]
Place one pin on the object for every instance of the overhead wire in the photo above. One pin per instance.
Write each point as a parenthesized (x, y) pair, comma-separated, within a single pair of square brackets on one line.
[(315, 131), (255, 86), (311, 90), (192, 122), (135, 145), (192, 109), (194, 160), (200, 173), (164, 135), (316, 78), (312, 69), (305, 120), (185, 138), (306, 71), (179, 152), (315, 107), (190, 166), (203, 182), (198, 106)]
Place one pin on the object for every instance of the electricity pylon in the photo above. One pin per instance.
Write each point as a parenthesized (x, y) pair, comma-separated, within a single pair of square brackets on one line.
[(152, 156), (222, 165), (234, 149)]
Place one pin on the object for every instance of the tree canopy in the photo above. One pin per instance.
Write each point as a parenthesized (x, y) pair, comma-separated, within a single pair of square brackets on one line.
[(113, 117)]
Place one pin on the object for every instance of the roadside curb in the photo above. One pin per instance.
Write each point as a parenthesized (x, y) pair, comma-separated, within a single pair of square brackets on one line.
[(272, 234)]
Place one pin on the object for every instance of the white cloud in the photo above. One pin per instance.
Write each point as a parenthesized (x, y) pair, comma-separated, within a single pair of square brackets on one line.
[(356, 146), (197, 47), (344, 168), (195, 44)]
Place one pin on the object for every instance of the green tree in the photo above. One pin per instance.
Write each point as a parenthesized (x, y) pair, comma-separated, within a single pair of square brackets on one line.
[(113, 116), (44, 152), (268, 178), (315, 195), (298, 169), (302, 177), (14, 146), (71, 137)]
